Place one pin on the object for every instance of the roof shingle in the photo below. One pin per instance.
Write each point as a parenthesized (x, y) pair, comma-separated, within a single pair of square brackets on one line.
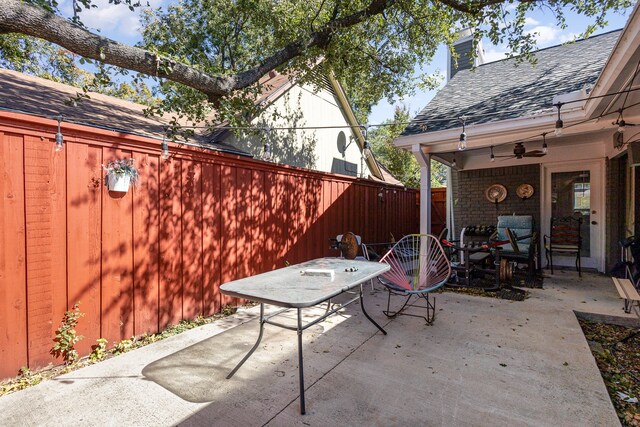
[(503, 90)]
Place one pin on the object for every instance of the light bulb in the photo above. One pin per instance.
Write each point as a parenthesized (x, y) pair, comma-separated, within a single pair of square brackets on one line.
[(559, 125), (493, 158), (453, 164), (544, 147), (267, 151), (59, 145), (462, 144), (165, 150)]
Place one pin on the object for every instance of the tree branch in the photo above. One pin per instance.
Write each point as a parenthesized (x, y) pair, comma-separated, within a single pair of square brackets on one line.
[(23, 18)]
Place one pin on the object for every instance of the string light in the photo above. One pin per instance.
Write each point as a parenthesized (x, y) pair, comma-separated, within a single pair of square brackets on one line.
[(453, 163), (559, 123), (462, 143), (164, 146), (544, 143), (267, 154), (493, 158), (59, 144)]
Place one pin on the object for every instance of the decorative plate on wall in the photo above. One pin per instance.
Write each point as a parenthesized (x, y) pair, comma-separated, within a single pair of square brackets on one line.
[(496, 193), (524, 191)]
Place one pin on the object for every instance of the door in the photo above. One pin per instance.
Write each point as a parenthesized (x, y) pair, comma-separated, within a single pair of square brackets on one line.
[(576, 188)]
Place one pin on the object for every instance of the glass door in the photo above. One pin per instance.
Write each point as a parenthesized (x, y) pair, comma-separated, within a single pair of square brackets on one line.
[(576, 190)]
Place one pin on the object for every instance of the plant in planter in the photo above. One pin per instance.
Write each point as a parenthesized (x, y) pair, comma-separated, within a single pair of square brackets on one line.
[(121, 173)]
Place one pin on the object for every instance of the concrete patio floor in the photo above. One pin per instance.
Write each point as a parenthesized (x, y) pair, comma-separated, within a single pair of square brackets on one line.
[(484, 362)]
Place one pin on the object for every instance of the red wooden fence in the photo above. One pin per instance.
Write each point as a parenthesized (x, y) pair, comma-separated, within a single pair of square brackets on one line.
[(438, 210), (156, 255)]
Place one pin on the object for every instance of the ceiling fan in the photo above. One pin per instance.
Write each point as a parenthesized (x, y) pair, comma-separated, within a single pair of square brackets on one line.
[(519, 151)]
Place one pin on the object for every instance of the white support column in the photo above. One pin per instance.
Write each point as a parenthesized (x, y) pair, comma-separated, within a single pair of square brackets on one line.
[(424, 160), (450, 218)]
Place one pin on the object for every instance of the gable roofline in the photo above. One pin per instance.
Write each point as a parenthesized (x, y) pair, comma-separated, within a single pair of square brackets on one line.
[(626, 47)]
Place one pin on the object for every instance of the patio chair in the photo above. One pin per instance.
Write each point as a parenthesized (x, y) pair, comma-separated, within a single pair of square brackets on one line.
[(419, 265), (565, 239), (520, 232)]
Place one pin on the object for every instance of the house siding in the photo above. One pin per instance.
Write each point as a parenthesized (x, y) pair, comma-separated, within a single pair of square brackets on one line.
[(322, 149), (470, 206)]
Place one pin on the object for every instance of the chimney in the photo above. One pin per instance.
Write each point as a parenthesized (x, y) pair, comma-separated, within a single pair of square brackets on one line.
[(463, 48)]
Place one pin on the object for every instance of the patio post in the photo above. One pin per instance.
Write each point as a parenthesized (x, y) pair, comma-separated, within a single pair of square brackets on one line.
[(424, 160)]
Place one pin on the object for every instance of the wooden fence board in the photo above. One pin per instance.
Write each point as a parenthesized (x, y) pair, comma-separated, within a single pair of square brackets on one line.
[(117, 259), (211, 237), (13, 279), (170, 243), (146, 227), (192, 240), (229, 268), (84, 218), (45, 217)]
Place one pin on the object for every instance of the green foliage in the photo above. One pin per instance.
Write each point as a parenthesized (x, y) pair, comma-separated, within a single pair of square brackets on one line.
[(401, 163), (123, 346), (374, 54), (67, 337), (26, 378), (123, 167), (373, 59), (99, 350), (228, 310), (46, 60)]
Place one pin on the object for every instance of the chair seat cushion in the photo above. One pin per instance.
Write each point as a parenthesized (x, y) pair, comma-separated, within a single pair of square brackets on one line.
[(507, 248)]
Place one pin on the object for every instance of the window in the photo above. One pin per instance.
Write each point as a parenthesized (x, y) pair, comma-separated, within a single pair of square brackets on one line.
[(582, 196)]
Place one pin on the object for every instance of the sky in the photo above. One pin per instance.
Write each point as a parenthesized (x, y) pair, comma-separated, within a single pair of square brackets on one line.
[(119, 23)]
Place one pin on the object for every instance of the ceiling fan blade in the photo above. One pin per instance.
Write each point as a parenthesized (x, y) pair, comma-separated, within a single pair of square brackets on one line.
[(534, 153)]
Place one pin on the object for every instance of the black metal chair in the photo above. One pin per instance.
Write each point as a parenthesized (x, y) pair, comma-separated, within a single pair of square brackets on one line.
[(565, 239)]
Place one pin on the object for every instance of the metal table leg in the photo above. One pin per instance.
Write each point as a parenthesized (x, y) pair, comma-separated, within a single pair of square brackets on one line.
[(255, 346), (367, 315), (300, 360)]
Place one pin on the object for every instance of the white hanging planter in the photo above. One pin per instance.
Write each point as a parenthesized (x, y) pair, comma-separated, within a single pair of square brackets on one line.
[(118, 182)]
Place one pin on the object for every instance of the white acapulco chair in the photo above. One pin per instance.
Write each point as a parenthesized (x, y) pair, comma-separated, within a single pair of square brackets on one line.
[(419, 265)]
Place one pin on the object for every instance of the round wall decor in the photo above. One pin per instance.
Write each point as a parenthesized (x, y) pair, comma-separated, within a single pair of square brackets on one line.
[(496, 193), (524, 191)]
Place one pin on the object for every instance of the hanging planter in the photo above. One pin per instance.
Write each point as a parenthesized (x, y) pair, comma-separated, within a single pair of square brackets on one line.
[(120, 175), (117, 182)]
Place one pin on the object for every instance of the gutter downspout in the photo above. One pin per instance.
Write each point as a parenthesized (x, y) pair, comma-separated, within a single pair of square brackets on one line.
[(424, 160), (355, 126)]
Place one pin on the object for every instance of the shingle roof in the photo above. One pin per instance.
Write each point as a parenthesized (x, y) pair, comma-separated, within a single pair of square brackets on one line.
[(32, 95), (502, 90)]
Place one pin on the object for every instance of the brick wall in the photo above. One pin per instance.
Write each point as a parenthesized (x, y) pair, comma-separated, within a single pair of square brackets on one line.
[(470, 206)]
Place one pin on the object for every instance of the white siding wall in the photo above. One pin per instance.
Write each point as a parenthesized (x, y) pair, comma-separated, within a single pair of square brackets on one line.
[(317, 149)]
